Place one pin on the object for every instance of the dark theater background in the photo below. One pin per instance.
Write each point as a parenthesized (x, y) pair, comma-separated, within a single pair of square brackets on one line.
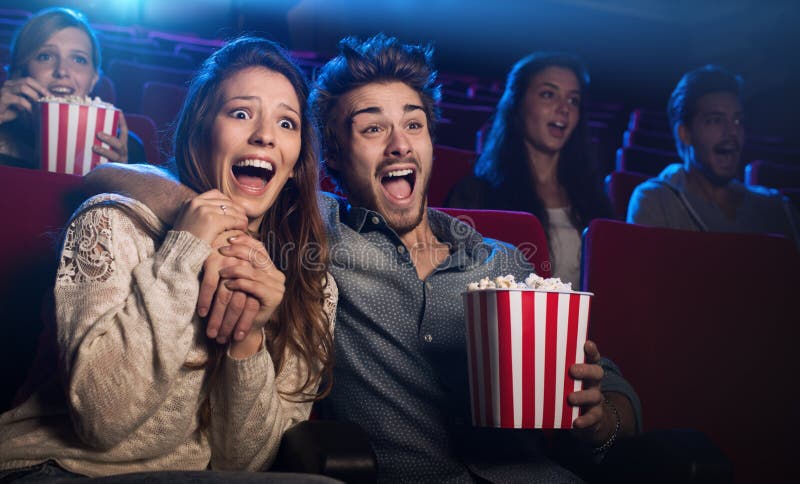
[(711, 347), (635, 50)]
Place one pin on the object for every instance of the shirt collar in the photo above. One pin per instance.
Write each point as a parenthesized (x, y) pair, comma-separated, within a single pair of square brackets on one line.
[(468, 248)]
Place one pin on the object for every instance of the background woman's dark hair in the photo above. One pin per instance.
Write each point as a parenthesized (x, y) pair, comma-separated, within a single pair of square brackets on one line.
[(35, 32), (503, 164), (292, 229)]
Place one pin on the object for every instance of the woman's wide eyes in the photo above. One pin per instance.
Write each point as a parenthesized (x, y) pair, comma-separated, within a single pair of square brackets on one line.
[(240, 114)]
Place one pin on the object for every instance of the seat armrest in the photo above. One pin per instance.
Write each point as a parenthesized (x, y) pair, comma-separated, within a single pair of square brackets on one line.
[(332, 448)]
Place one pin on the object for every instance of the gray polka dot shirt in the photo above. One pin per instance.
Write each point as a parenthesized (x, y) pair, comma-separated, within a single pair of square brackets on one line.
[(401, 364)]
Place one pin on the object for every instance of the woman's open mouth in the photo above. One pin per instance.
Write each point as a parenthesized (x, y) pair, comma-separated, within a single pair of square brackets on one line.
[(399, 184), (61, 90), (253, 175)]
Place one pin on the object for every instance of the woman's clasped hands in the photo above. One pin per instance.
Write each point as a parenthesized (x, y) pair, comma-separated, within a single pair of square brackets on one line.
[(241, 286)]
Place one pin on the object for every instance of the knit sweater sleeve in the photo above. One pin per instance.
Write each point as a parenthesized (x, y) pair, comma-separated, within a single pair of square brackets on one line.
[(249, 414), (124, 312)]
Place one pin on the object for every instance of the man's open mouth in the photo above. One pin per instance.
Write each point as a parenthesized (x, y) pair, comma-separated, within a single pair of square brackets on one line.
[(399, 184), (253, 174)]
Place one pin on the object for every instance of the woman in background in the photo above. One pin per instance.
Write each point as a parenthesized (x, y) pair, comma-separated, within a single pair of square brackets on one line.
[(55, 53), (140, 384), (537, 159)]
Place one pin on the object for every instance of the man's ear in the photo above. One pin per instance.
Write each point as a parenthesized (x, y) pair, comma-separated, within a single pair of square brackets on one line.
[(685, 135)]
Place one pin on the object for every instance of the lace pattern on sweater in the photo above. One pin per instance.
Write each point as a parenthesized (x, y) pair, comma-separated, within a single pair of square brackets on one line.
[(86, 256)]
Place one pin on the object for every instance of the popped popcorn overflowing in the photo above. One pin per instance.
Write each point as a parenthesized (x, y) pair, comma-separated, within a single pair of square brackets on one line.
[(81, 100), (533, 281)]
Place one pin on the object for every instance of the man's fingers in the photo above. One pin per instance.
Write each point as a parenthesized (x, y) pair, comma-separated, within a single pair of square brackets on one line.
[(585, 398), (590, 419), (232, 314), (220, 305), (591, 351), (207, 288), (585, 371), (245, 323)]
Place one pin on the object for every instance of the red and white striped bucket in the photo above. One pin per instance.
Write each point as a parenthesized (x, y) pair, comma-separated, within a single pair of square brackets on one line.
[(520, 346), (67, 133)]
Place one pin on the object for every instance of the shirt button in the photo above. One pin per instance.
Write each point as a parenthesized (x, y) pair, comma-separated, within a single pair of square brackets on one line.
[(375, 220), (428, 338), (429, 286), (401, 249)]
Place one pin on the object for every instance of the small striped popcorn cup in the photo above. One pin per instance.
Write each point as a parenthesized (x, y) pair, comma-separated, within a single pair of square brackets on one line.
[(67, 132), (520, 346)]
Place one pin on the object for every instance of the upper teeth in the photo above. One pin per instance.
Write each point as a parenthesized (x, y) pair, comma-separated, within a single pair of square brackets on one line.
[(61, 90), (256, 163), (405, 172), (560, 124)]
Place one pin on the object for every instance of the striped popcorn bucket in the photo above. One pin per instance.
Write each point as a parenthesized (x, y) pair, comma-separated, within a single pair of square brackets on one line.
[(520, 345), (67, 133)]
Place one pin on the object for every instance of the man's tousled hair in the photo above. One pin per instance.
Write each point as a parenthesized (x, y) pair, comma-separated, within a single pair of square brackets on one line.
[(379, 59)]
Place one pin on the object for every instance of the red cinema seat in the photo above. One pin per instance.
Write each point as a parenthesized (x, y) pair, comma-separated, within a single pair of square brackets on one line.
[(619, 188), (145, 128), (774, 175), (449, 166), (658, 140), (105, 90), (645, 160), (521, 229), (34, 206), (130, 78), (704, 326)]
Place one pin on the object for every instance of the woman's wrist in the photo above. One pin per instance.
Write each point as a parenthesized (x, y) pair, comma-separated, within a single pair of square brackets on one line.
[(250, 345)]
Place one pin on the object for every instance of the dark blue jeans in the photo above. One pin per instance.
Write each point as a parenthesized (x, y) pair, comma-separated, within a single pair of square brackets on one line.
[(45, 472)]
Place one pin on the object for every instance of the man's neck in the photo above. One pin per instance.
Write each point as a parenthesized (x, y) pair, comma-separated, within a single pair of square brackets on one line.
[(425, 250), (718, 194)]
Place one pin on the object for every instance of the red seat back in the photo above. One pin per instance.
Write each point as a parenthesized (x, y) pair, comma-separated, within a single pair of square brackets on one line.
[(645, 160), (105, 89), (521, 229), (130, 78), (449, 166), (775, 175), (34, 205), (145, 128), (704, 325), (619, 187)]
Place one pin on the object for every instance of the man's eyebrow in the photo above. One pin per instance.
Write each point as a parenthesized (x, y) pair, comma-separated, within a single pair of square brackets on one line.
[(720, 113), (558, 88), (377, 110), (367, 110)]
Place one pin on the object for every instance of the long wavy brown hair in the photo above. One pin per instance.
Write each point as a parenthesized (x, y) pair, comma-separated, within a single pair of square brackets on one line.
[(292, 229)]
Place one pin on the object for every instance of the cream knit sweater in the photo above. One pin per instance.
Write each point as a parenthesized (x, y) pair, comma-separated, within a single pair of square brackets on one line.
[(125, 397)]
